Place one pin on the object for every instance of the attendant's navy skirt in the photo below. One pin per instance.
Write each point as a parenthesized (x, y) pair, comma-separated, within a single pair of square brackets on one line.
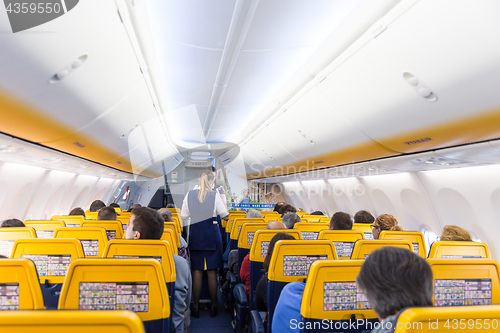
[(206, 259)]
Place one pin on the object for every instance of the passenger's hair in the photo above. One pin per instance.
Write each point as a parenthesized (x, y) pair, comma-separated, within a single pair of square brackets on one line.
[(387, 222), (15, 223), (394, 278), (254, 214), (170, 206), (106, 213), (287, 209), (454, 233), (278, 206), (164, 211), (341, 221), (134, 207), (96, 205), (289, 220), (114, 205), (167, 217), (299, 210), (270, 248), (317, 212), (148, 222), (206, 177), (363, 217), (78, 211)]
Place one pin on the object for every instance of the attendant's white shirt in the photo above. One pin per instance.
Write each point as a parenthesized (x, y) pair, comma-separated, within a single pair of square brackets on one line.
[(219, 208)]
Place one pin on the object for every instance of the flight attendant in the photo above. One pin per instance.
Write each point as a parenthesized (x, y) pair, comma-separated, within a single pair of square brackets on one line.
[(205, 243)]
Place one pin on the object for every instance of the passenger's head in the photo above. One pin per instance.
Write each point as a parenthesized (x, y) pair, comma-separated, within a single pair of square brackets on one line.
[(300, 210), (207, 179), (134, 207), (385, 222), (107, 213), (278, 206), (287, 209), (78, 211), (145, 223), (275, 226), (394, 278), (96, 205), (363, 217), (15, 223), (454, 233), (279, 236), (170, 205), (164, 211), (254, 214), (167, 217), (317, 212), (114, 205), (289, 220), (341, 221)]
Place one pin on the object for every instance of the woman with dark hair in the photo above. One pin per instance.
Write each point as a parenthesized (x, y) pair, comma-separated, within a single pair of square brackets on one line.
[(261, 288), (205, 242), (78, 211)]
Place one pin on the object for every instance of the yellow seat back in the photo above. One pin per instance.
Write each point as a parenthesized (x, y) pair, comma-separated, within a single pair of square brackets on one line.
[(91, 215), (457, 250), (179, 224), (365, 228), (123, 220), (70, 220), (117, 209), (310, 231), (465, 281), (45, 228), (232, 215), (291, 259), (331, 292), (481, 318), (272, 217), (265, 213), (363, 247), (117, 284), (238, 222), (20, 286), (93, 239), (415, 237), (54, 321), (174, 227), (143, 248), (113, 228), (8, 237), (169, 236), (261, 240), (248, 232), (312, 218), (52, 257), (343, 240)]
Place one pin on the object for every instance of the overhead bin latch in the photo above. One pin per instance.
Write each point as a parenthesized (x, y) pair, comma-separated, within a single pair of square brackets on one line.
[(377, 28)]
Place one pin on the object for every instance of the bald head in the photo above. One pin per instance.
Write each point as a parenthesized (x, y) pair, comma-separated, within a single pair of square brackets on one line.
[(275, 226)]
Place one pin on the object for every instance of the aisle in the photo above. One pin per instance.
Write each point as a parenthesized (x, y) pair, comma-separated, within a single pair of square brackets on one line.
[(219, 324)]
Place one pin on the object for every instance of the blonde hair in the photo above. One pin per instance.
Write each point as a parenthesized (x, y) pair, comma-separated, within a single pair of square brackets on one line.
[(206, 177), (387, 222), (455, 233)]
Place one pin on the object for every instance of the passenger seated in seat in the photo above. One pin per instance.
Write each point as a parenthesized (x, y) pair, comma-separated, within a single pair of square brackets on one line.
[(107, 213), (392, 279), (287, 209), (278, 206), (261, 288), (78, 211), (363, 217), (341, 221), (15, 223), (288, 308), (245, 265), (454, 233), (385, 222), (317, 212), (96, 205), (146, 223), (289, 220)]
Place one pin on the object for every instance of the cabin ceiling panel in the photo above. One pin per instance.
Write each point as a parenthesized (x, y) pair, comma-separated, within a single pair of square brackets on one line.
[(31, 58), (457, 61)]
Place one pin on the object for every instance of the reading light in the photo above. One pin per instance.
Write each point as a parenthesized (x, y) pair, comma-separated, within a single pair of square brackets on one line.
[(419, 87), (62, 73)]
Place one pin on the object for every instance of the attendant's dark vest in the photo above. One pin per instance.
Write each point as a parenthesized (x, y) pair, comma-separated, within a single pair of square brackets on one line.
[(203, 233)]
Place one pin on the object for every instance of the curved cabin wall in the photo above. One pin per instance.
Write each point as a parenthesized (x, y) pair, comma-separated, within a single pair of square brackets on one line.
[(28, 192), (428, 200)]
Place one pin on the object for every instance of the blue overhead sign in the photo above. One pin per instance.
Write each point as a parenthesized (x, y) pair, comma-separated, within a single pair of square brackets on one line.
[(249, 205)]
